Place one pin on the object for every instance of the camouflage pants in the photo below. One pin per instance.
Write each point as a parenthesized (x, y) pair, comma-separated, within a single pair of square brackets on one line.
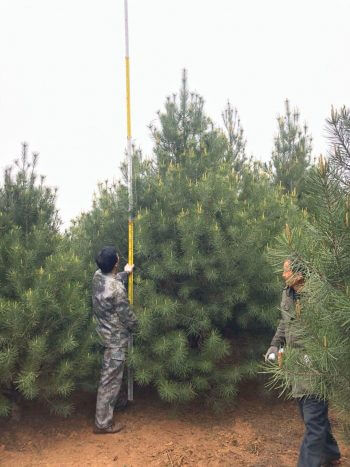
[(109, 387)]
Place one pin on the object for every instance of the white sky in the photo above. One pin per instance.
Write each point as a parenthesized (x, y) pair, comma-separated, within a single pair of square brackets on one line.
[(62, 78)]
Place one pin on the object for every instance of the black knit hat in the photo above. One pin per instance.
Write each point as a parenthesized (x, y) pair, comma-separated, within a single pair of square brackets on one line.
[(107, 258)]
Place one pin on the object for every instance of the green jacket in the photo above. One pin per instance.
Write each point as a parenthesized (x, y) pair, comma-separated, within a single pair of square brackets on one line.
[(286, 336)]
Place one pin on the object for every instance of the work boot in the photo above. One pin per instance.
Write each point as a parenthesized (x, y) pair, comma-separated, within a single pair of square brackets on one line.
[(331, 462), (110, 429)]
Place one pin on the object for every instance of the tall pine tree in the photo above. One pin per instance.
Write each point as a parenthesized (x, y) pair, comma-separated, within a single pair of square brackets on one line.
[(204, 288), (45, 336)]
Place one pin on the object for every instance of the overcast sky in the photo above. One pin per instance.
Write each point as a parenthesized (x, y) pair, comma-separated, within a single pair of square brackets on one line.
[(62, 78)]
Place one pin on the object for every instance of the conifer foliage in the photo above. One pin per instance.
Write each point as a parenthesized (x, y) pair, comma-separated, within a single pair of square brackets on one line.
[(235, 134), (107, 221), (45, 338), (203, 281), (338, 126), (291, 155), (105, 224)]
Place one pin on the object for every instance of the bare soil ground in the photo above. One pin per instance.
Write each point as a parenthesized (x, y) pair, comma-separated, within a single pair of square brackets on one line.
[(254, 431)]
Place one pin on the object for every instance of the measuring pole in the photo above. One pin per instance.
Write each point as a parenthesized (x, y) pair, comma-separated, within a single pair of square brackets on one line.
[(131, 220)]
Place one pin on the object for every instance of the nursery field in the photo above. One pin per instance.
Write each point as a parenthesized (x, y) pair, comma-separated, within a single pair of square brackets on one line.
[(255, 431), (213, 231)]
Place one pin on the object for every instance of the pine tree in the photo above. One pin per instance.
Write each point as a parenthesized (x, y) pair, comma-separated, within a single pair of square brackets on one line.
[(319, 247), (45, 336), (30, 225), (291, 155), (204, 281)]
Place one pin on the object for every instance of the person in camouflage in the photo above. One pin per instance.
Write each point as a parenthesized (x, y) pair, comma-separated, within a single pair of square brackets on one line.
[(319, 447), (115, 323)]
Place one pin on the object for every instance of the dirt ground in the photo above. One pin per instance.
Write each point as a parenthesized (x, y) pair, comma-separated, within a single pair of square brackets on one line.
[(254, 431)]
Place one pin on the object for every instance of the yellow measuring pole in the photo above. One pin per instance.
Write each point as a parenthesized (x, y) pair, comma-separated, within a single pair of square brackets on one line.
[(130, 185), (129, 152)]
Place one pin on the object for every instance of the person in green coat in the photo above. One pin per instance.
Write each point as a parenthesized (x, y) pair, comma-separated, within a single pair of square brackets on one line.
[(319, 447)]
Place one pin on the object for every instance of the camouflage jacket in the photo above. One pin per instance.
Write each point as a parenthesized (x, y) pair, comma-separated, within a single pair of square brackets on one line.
[(287, 335), (114, 317)]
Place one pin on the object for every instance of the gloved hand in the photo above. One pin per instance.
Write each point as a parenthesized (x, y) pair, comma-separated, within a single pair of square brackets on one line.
[(272, 350), (129, 268)]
